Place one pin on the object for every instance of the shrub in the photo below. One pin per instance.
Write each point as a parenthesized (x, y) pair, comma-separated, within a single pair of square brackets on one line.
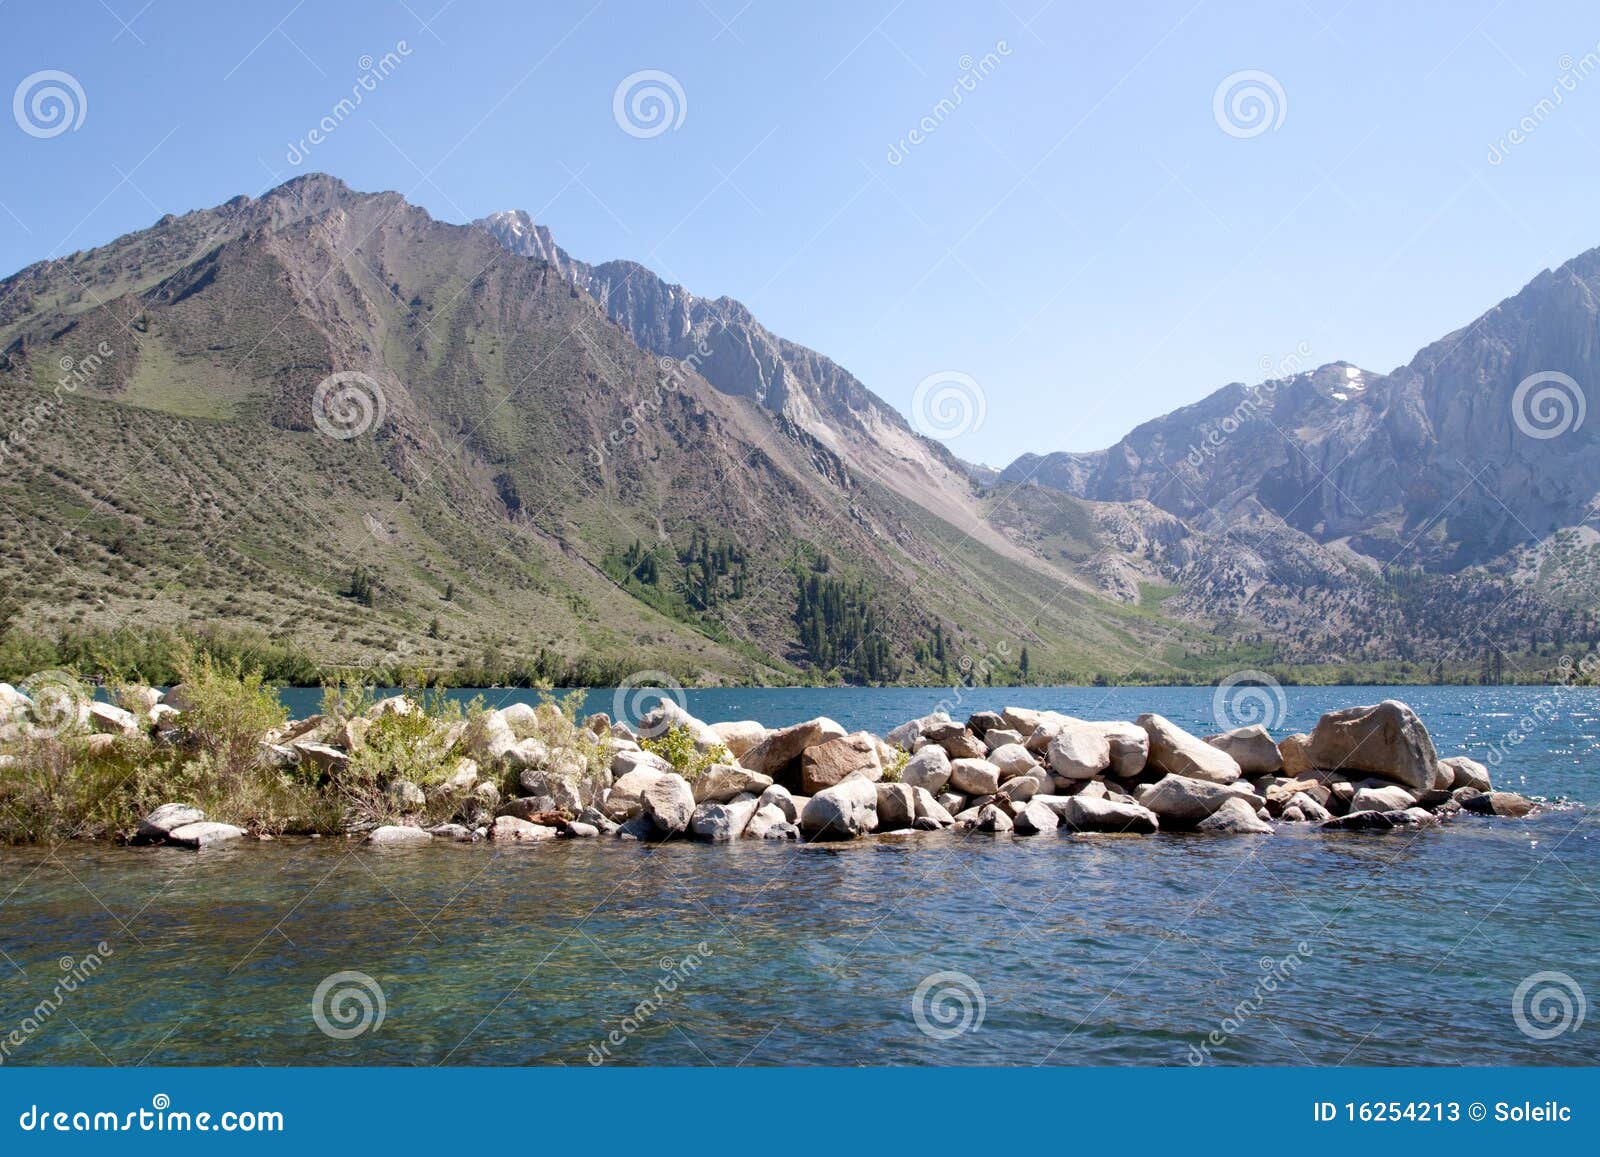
[(677, 747)]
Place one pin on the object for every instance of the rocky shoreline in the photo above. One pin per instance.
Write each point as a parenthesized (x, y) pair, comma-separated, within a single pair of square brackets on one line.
[(525, 774)]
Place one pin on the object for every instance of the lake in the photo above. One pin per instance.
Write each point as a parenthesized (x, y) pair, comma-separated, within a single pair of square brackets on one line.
[(948, 948)]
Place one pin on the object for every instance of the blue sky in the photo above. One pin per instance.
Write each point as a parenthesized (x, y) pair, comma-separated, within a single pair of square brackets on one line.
[(1082, 234)]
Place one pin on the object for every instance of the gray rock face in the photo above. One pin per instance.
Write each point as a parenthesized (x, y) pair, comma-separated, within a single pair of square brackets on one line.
[(765, 819), (668, 803), (1465, 772), (1381, 799), (1012, 759), (1130, 748), (1385, 739), (720, 822), (1083, 813), (778, 796), (896, 806), (1234, 817), (740, 736), (623, 802), (928, 769), (1036, 818), (721, 782), (1182, 802), (204, 835), (154, 827), (928, 808), (1252, 748), (394, 835), (992, 819), (844, 811), (1175, 751), (974, 776), (511, 830), (1498, 803), (1079, 751)]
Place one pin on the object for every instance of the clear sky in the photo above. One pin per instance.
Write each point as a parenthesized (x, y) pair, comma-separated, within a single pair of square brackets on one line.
[(1086, 233)]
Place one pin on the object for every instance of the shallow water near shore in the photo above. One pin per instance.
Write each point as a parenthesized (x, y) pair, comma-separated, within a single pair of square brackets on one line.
[(1299, 948)]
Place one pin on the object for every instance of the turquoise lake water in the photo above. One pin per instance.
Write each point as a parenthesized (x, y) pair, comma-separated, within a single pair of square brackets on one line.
[(1298, 948)]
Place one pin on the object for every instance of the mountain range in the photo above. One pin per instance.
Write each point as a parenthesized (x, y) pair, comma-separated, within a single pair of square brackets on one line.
[(325, 419)]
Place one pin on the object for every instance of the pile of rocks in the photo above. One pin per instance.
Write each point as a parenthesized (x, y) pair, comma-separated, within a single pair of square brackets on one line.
[(1024, 771)]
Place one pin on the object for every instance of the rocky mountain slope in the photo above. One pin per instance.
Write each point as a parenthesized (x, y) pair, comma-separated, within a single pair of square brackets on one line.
[(1368, 514), (324, 417)]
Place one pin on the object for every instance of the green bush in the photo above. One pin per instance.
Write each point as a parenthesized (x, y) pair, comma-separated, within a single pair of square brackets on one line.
[(677, 747)]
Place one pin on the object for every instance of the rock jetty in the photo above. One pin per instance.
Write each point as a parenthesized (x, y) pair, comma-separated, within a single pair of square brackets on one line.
[(513, 779)]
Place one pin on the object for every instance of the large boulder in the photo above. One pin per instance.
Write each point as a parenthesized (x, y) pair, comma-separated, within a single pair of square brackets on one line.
[(1252, 748), (1176, 752), (668, 803), (1385, 739), (723, 781), (154, 828), (827, 763), (1295, 753), (928, 769), (321, 756), (1130, 747), (1084, 813), (1465, 772), (1498, 803), (842, 812), (964, 745), (766, 821), (623, 802), (396, 835), (909, 733), (1080, 751), (109, 719), (778, 755), (740, 736), (719, 822), (632, 759), (778, 796), (511, 830), (1182, 801), (1036, 818), (1388, 798), (667, 715), (1012, 759), (897, 806), (1234, 817), (974, 776), (204, 834), (993, 819), (925, 807)]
